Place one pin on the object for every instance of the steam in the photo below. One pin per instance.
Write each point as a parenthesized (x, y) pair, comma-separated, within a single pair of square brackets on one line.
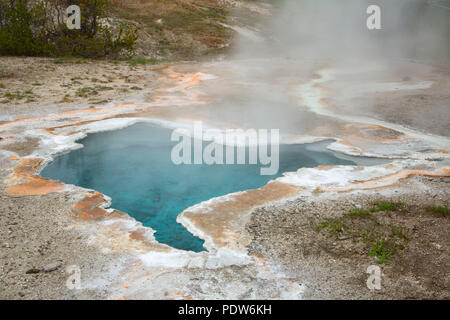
[(332, 29), (302, 37)]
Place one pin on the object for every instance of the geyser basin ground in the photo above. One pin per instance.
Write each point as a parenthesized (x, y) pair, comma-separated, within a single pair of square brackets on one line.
[(120, 260), (133, 166)]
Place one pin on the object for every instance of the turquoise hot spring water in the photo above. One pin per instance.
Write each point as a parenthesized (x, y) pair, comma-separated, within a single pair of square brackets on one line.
[(133, 166)]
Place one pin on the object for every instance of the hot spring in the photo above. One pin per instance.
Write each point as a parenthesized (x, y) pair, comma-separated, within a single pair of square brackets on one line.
[(133, 166)]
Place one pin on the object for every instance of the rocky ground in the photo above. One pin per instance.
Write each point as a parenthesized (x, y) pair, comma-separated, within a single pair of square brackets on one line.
[(27, 84), (327, 241), (37, 247)]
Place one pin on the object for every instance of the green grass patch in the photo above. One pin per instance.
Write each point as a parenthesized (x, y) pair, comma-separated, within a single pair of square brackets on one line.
[(14, 96), (387, 206), (384, 241), (382, 250), (438, 209), (70, 59), (360, 213), (86, 92), (66, 99), (399, 232), (334, 226), (17, 96), (103, 88), (2, 86)]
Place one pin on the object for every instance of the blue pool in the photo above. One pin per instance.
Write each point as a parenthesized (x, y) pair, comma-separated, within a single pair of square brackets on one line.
[(133, 166)]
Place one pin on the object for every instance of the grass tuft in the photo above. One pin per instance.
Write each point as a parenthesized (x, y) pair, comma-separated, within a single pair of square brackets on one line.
[(70, 59), (387, 206), (360, 213), (399, 232), (86, 92), (439, 209), (334, 226), (382, 251)]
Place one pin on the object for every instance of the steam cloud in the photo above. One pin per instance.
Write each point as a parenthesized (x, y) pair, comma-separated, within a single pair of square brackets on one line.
[(333, 29)]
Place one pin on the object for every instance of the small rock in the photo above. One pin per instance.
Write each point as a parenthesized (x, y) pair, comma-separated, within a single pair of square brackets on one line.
[(33, 270), (437, 245), (52, 266)]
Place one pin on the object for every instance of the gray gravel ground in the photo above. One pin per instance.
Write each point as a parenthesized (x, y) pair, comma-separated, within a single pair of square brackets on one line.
[(336, 268), (34, 237)]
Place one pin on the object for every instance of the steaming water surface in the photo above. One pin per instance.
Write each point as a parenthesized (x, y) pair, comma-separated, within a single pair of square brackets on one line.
[(133, 166)]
